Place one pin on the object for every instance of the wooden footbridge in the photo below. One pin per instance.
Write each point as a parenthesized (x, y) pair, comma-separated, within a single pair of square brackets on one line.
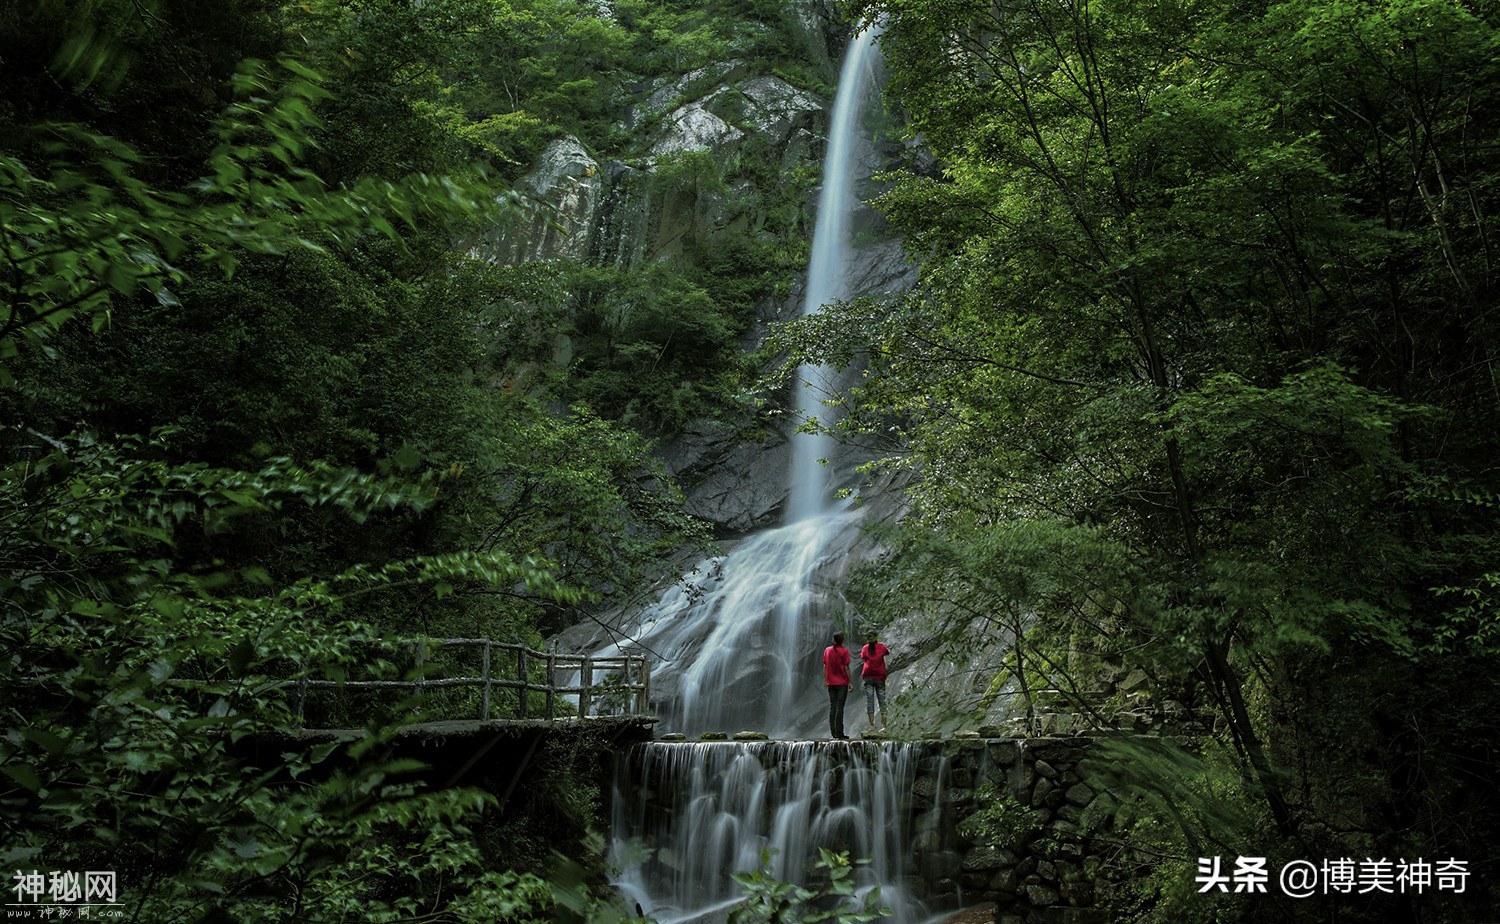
[(467, 686), (472, 711)]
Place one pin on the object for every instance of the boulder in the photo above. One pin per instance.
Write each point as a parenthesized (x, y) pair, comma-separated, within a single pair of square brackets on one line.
[(563, 191), (1041, 791), (694, 128), (669, 94), (984, 859), (768, 107)]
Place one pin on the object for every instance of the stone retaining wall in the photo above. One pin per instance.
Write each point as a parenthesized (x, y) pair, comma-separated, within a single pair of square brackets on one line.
[(1045, 876)]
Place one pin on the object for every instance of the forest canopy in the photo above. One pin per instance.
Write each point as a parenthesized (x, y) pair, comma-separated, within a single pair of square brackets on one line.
[(1200, 380)]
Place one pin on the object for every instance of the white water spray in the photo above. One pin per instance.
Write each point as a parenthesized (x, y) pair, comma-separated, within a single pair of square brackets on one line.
[(710, 809), (828, 271)]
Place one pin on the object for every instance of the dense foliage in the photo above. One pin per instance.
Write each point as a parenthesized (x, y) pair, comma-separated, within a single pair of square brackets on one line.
[(1200, 378), (1199, 382), (262, 412)]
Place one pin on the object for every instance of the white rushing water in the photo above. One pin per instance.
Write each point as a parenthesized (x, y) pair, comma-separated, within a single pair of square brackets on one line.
[(736, 632), (709, 810), (828, 270)]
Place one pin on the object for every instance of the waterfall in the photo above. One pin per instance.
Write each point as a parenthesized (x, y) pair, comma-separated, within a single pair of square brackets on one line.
[(827, 271), (737, 645), (734, 632), (710, 809)]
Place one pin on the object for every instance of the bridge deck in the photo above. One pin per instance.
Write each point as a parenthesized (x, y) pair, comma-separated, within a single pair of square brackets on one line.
[(610, 725)]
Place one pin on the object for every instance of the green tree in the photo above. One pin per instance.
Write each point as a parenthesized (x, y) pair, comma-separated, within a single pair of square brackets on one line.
[(244, 289), (1193, 352)]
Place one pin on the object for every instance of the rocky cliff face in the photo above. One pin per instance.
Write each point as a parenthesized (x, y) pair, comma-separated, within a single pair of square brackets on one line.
[(614, 214), (564, 192), (756, 129)]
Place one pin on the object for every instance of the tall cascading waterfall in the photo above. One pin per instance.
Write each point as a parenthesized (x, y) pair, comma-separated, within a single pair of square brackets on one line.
[(827, 272), (737, 646)]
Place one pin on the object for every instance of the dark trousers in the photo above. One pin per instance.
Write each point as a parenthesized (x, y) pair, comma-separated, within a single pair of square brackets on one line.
[(836, 698)]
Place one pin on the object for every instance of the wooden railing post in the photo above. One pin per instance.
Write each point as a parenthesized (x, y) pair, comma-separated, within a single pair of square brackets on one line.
[(421, 673), (484, 713), (585, 684), (521, 673), (551, 687), (625, 685), (628, 674), (301, 698)]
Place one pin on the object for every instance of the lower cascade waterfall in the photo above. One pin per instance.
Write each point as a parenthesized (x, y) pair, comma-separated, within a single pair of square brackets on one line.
[(687, 817), (741, 634)]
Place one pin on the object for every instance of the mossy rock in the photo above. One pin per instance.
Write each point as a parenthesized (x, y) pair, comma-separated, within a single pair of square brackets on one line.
[(674, 736), (751, 736), (713, 736)]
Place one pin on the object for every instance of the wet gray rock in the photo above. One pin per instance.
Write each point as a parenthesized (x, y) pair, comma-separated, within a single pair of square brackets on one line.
[(1041, 791), (984, 859), (768, 107), (1002, 754), (701, 442), (671, 93), (734, 486), (694, 128), (564, 191), (881, 268)]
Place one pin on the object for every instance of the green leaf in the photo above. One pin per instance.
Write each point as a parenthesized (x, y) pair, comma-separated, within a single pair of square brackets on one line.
[(23, 775)]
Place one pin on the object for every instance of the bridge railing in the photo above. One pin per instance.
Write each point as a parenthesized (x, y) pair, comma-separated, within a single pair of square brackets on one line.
[(574, 685)]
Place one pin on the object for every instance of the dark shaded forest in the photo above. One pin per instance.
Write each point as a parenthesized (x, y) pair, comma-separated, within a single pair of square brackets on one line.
[(1198, 387)]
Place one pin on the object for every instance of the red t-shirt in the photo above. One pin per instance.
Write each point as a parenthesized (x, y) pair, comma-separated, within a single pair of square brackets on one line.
[(874, 668), (836, 666)]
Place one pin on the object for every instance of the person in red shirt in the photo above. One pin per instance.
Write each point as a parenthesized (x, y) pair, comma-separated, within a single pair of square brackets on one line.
[(836, 677), (872, 675)]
